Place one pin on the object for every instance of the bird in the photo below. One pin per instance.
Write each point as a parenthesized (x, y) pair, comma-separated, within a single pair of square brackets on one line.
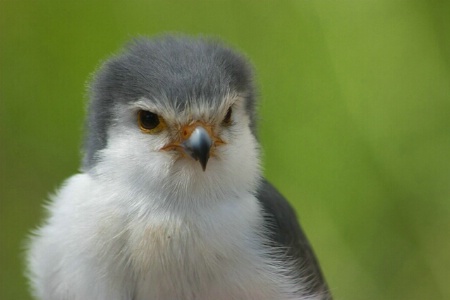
[(170, 201)]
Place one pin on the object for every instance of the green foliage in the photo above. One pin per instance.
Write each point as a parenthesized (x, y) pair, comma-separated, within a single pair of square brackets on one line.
[(355, 122)]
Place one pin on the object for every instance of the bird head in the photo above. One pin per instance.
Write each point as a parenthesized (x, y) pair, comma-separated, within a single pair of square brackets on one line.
[(175, 112)]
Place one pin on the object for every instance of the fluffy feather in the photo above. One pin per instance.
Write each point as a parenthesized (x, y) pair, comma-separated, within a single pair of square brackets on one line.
[(140, 223)]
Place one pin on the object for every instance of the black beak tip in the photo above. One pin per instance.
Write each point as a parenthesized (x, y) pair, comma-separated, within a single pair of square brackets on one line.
[(203, 162), (198, 146)]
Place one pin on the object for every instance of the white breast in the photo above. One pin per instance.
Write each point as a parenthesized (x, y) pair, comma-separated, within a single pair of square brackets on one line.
[(210, 254), (98, 246)]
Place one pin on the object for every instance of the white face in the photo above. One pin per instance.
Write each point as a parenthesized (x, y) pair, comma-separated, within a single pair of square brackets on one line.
[(149, 160)]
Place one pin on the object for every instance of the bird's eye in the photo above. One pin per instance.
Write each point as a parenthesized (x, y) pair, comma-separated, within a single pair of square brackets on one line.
[(149, 122), (227, 119)]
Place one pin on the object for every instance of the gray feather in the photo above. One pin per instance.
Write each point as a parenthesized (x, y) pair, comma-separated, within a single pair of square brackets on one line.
[(179, 69), (285, 233)]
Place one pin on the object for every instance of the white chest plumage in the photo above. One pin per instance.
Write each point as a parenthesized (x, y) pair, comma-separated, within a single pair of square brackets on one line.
[(124, 253), (207, 255)]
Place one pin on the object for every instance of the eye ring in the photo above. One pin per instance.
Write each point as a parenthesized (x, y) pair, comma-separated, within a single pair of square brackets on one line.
[(227, 119), (150, 122)]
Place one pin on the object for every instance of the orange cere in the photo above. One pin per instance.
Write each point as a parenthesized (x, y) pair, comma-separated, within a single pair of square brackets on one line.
[(186, 131)]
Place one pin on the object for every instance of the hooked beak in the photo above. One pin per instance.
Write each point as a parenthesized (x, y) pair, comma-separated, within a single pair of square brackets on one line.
[(198, 145)]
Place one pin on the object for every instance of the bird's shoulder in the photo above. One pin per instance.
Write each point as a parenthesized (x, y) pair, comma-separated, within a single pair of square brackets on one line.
[(285, 232)]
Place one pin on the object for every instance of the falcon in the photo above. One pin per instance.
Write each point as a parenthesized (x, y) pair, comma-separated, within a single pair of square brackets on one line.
[(170, 202)]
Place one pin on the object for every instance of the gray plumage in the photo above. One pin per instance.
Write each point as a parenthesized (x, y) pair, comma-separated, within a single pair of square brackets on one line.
[(178, 70), (285, 232)]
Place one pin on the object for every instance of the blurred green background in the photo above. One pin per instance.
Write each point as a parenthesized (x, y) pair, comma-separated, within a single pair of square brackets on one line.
[(355, 122)]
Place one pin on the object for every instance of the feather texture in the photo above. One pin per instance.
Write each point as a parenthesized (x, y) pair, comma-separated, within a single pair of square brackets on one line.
[(143, 223)]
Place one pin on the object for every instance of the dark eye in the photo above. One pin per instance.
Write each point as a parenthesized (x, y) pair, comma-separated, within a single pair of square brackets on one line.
[(227, 119), (148, 121)]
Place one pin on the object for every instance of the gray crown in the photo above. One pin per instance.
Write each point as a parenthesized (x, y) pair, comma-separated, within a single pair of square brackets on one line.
[(178, 69)]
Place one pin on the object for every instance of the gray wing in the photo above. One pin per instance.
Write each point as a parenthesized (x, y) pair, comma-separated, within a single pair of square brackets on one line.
[(285, 232)]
